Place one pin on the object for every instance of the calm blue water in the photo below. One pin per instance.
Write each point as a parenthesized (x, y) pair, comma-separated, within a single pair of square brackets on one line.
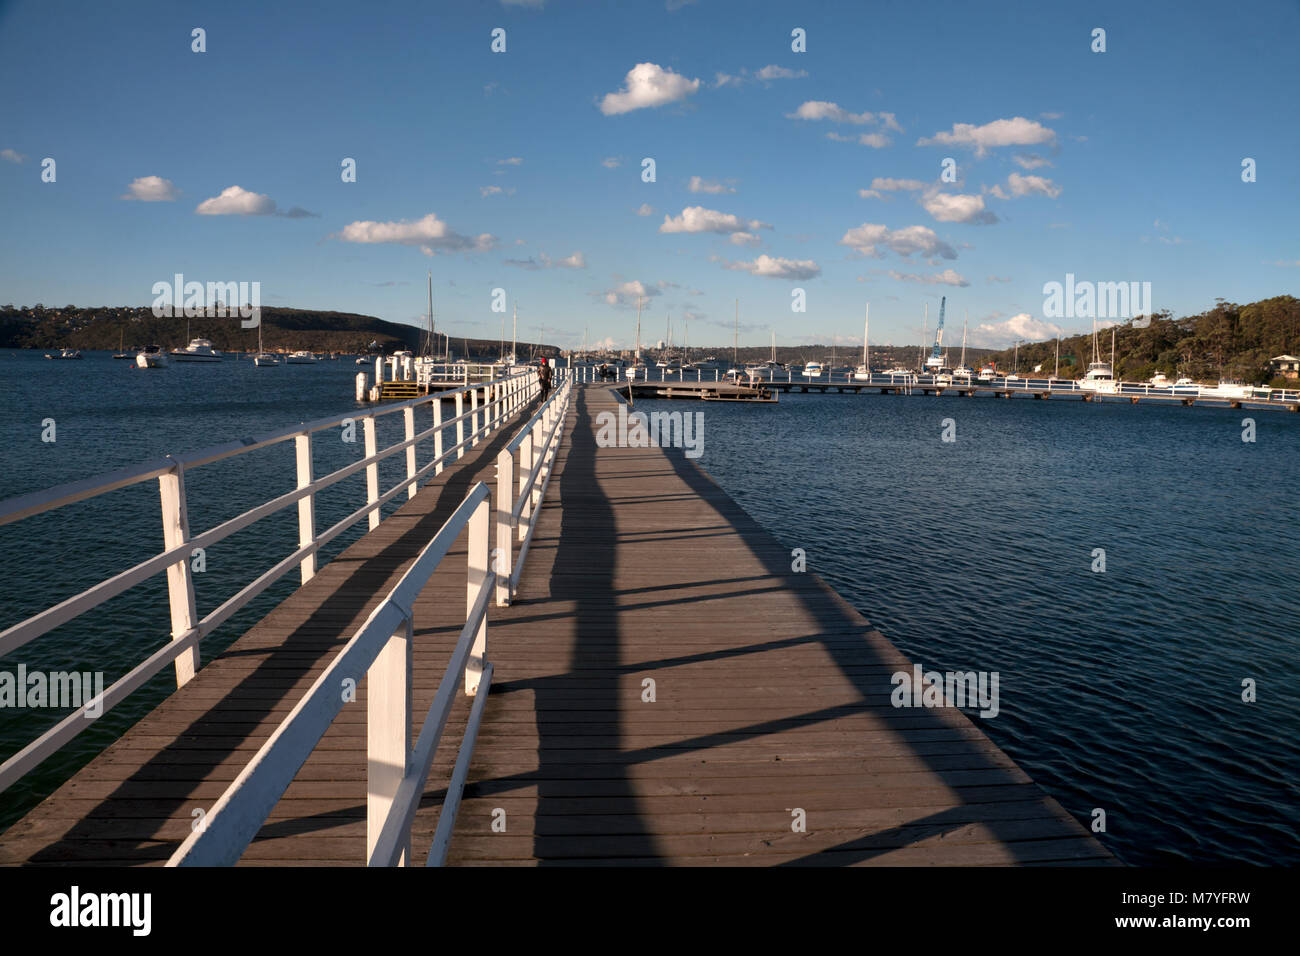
[(1119, 690), (109, 414)]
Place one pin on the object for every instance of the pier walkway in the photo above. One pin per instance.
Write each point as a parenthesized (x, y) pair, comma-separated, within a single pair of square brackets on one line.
[(769, 705)]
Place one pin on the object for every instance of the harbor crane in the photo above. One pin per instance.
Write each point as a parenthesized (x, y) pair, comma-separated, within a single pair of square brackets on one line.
[(935, 361)]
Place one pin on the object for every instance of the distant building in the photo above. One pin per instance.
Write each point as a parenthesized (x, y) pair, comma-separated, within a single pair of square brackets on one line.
[(1287, 366)]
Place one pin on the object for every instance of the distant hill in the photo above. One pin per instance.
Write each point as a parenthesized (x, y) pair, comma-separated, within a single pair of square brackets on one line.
[(104, 327), (1228, 341)]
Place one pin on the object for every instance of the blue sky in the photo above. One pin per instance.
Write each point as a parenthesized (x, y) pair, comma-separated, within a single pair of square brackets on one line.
[(1115, 166)]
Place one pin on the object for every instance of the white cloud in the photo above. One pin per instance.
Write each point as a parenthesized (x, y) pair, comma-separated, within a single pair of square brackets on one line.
[(1052, 116), (626, 293), (1022, 186), (1030, 160), (612, 162), (430, 234), (236, 201), (956, 207), (512, 161), (12, 155), (699, 219), (775, 268), (744, 239), (869, 194), (698, 185), (1024, 327), (1016, 131), (998, 279), (774, 72), (151, 189), (486, 191), (823, 110), (946, 277), (648, 85), (645, 209), (868, 237), (886, 184)]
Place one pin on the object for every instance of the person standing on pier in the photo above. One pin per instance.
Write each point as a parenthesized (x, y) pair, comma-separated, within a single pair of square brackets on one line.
[(544, 378)]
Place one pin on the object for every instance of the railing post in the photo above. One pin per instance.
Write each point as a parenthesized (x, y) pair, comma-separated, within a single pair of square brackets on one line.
[(372, 469), (437, 435), (473, 418), (525, 472), (388, 734), (460, 425), (539, 436), (180, 580), (501, 563), (306, 505), (476, 576), (408, 416)]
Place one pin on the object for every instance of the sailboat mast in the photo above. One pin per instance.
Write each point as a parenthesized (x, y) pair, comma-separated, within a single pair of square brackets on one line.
[(925, 323), (1057, 373), (866, 328), (636, 356), (514, 338), (735, 339), (965, 322), (431, 346)]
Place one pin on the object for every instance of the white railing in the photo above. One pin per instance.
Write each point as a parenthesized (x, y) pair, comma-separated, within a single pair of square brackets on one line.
[(381, 650), (396, 772), (493, 404), (536, 446)]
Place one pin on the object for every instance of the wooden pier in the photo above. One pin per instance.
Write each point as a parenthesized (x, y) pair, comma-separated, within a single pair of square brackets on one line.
[(667, 691)]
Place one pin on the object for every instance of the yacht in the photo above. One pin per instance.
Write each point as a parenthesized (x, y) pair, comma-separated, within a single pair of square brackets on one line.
[(899, 372), (262, 359), (812, 370), (1159, 380), (862, 373), (303, 357), (1228, 388), (64, 354), (1185, 386), (199, 350), (151, 356), (1099, 378), (963, 372), (942, 376), (988, 373)]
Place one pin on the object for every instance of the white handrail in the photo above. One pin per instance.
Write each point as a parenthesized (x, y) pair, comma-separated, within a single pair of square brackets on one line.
[(512, 395), (518, 509), (380, 651)]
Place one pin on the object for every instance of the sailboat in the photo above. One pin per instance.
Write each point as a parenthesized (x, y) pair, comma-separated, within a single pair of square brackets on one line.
[(963, 371), (120, 354), (863, 373), (1100, 377), (262, 359), (734, 371), (631, 370)]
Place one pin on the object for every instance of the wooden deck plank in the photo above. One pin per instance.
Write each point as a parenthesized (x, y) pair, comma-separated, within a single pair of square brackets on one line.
[(771, 693)]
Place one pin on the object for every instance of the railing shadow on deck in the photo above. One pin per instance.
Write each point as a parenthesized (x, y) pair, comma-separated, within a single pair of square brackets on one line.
[(286, 657)]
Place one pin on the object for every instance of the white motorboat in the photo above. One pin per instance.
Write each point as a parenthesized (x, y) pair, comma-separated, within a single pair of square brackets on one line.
[(988, 373), (303, 357), (1228, 388), (963, 373), (862, 374), (151, 356), (1185, 386), (64, 354), (811, 370), (1159, 380), (199, 350), (899, 372), (1099, 378)]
